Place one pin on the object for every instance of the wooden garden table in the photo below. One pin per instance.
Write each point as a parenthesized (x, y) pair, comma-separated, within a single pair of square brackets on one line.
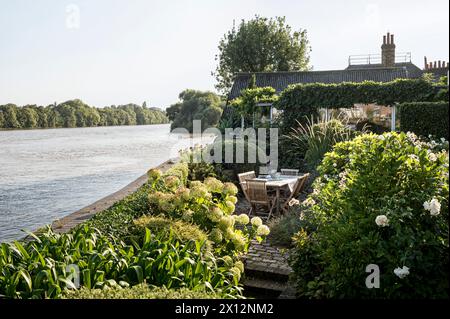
[(277, 184)]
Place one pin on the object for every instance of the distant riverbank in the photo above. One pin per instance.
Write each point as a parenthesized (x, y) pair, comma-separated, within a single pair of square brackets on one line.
[(76, 114)]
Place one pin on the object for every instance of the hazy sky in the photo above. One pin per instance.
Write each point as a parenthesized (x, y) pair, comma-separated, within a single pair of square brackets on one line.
[(134, 51)]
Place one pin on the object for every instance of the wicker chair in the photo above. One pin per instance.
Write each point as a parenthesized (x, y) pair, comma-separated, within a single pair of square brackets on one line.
[(289, 172), (259, 200), (298, 188)]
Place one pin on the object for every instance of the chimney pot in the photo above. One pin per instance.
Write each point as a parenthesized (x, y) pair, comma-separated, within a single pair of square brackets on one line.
[(392, 39), (388, 38), (425, 62), (435, 64), (384, 39), (439, 64)]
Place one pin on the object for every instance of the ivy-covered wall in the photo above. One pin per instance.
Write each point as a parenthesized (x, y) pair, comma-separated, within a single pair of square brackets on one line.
[(304, 100), (425, 118)]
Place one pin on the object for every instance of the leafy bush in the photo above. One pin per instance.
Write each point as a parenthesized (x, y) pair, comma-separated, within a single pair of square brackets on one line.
[(313, 140), (38, 269), (142, 291), (379, 200), (426, 118), (165, 228), (283, 228), (210, 205)]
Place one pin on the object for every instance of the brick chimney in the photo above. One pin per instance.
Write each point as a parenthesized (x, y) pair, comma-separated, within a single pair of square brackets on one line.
[(388, 51)]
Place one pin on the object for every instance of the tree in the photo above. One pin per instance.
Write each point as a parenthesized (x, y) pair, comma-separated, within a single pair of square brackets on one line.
[(195, 105), (10, 116), (27, 117), (260, 45)]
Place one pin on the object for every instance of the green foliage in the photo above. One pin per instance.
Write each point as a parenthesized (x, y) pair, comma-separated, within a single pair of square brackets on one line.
[(312, 140), (118, 218), (302, 101), (195, 105), (75, 113), (284, 227), (38, 269), (395, 177), (166, 228), (259, 45), (425, 118), (246, 104), (142, 291)]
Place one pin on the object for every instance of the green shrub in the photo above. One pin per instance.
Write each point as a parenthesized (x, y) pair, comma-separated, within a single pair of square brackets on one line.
[(427, 118), (142, 291), (379, 200), (165, 228), (283, 228), (313, 140)]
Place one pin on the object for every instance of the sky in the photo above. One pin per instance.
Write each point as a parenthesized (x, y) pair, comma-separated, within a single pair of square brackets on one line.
[(109, 52)]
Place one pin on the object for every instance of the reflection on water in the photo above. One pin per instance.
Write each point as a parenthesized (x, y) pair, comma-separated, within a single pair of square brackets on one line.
[(47, 174)]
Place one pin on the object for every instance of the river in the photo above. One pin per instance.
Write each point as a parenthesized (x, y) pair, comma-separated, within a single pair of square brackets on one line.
[(48, 174)]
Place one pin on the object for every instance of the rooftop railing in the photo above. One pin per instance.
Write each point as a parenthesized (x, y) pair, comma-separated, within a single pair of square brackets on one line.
[(400, 57)]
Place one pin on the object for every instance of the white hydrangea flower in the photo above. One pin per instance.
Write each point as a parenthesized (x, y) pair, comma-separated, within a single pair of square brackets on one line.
[(243, 219), (256, 221), (431, 156), (263, 230), (309, 201), (401, 272), (433, 206), (334, 165), (294, 202), (382, 221)]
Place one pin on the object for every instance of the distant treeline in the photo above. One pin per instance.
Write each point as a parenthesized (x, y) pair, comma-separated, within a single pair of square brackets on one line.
[(75, 113)]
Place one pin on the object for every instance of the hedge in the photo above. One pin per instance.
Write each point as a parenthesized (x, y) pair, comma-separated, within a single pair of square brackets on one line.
[(304, 100), (425, 118)]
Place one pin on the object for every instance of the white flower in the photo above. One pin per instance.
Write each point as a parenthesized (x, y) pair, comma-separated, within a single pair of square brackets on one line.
[(382, 221), (256, 221), (334, 165), (401, 272), (381, 137), (309, 201), (414, 157), (294, 202), (263, 230), (433, 206), (432, 157), (442, 140), (243, 219)]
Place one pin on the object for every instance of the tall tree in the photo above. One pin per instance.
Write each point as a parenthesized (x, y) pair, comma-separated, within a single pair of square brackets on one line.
[(260, 45), (195, 105)]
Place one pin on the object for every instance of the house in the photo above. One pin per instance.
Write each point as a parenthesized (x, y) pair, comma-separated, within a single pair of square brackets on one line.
[(384, 67)]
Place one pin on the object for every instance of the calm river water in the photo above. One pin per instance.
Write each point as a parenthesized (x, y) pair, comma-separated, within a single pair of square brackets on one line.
[(48, 174)]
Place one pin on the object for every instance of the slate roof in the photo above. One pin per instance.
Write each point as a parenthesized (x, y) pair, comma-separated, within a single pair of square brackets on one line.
[(281, 80), (413, 70)]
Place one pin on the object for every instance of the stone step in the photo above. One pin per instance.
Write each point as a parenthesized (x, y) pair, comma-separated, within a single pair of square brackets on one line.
[(273, 271), (263, 288)]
